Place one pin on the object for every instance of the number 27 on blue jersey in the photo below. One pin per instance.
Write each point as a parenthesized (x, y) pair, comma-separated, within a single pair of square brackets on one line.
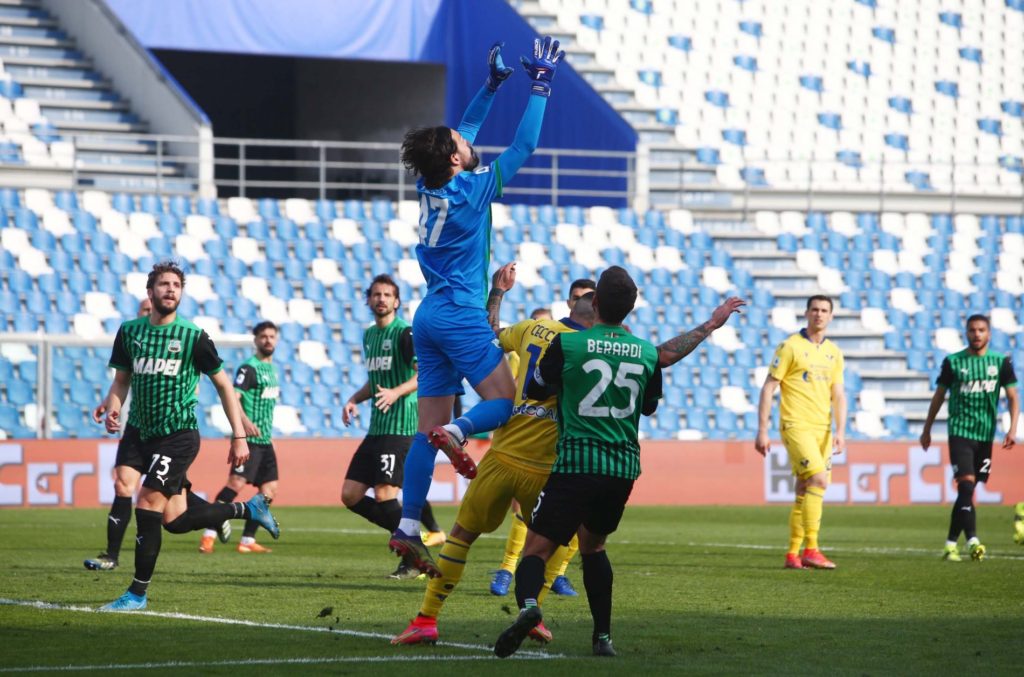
[(433, 214)]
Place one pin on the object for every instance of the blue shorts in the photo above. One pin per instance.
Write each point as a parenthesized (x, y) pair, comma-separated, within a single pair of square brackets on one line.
[(452, 342)]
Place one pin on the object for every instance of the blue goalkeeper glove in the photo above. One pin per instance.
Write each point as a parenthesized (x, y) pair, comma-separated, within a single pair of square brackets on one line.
[(499, 72), (541, 67)]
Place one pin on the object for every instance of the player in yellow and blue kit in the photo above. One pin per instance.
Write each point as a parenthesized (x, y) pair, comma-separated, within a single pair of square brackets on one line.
[(809, 370), (451, 334)]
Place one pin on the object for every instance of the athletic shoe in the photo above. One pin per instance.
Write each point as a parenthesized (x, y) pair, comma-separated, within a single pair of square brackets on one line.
[(406, 571), (603, 647), (412, 547), (224, 531), (792, 561), (422, 630), (950, 553), (541, 634), (259, 511), (206, 545), (102, 562), (443, 440), (814, 559), (509, 641), (563, 586), (246, 548), (1018, 524), (126, 602), (432, 539), (501, 582), (977, 552)]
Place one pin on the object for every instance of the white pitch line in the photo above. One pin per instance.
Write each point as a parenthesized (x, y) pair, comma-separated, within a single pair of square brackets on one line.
[(50, 606), (253, 661)]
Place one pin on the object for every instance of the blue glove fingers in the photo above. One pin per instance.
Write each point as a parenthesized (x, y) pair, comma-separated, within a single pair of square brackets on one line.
[(558, 58)]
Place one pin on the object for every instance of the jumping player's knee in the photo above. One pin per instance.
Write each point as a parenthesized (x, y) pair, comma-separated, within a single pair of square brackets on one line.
[(181, 524)]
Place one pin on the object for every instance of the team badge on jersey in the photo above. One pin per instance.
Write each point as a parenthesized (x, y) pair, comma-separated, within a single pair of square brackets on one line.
[(993, 370), (174, 346), (386, 345)]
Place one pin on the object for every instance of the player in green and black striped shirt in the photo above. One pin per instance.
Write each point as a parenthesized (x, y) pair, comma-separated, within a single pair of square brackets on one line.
[(378, 462), (160, 358), (973, 378), (257, 386), (605, 378)]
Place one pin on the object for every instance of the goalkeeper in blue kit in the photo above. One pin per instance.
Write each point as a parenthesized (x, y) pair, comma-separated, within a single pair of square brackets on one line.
[(451, 334)]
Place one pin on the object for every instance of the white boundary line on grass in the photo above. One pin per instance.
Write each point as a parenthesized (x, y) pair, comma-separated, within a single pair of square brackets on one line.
[(50, 606)]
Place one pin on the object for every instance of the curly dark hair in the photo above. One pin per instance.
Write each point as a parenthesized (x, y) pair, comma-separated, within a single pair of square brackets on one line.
[(164, 267), (616, 295), (428, 151), (263, 326)]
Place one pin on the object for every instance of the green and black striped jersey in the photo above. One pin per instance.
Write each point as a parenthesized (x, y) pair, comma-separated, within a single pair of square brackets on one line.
[(973, 382), (605, 379), (257, 383), (165, 362), (390, 361)]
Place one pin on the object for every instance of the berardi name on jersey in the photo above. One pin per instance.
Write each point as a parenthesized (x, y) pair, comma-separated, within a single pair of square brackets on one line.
[(614, 348)]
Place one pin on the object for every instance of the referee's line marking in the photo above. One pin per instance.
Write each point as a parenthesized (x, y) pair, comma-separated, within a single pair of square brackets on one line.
[(51, 606), (253, 661), (695, 544)]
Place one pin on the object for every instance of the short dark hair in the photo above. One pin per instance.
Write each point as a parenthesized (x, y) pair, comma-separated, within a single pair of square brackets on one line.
[(582, 283), (584, 308), (164, 267), (820, 297), (537, 312), (428, 151), (616, 294), (978, 317), (263, 326), (384, 278)]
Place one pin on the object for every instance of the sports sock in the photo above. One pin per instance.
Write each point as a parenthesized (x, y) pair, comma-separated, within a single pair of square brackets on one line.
[(193, 499), (147, 548), (451, 561), (813, 500), (250, 529), (207, 516), (570, 552), (514, 543), (418, 473), (963, 518), (551, 570), (117, 523), (486, 415), (226, 495), (427, 518), (529, 580), (369, 509), (796, 526), (390, 513), (209, 533), (597, 579)]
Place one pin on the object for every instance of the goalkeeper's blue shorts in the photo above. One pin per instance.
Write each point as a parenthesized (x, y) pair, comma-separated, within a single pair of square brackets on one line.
[(452, 343)]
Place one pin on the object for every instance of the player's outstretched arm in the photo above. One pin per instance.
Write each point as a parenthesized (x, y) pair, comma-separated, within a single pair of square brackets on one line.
[(239, 450), (764, 413), (677, 348), (504, 278), (1013, 398), (933, 410), (109, 410), (480, 106)]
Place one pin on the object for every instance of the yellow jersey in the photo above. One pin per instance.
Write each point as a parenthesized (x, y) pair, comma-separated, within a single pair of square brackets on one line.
[(528, 438), (806, 372)]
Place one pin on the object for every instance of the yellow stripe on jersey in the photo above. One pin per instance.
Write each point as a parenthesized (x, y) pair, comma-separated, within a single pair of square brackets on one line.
[(807, 372), (531, 433)]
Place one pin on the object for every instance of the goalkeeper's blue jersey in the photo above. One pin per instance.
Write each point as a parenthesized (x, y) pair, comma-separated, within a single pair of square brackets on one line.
[(455, 234)]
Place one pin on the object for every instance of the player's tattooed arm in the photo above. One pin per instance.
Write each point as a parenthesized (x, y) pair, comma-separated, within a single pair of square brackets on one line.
[(504, 278), (677, 348)]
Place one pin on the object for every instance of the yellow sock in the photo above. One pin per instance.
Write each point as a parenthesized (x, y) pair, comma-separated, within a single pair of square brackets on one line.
[(812, 516), (451, 561), (514, 544), (551, 570), (570, 552), (796, 526)]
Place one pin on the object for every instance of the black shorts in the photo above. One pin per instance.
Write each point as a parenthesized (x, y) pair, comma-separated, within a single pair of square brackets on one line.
[(970, 457), (569, 500), (261, 466), (380, 459), (130, 452), (169, 459)]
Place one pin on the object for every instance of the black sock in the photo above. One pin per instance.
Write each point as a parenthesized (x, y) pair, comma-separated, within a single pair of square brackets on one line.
[(207, 516), (427, 518), (369, 510), (964, 516), (390, 513), (529, 579), (117, 523), (597, 579), (250, 529), (147, 548), (226, 495)]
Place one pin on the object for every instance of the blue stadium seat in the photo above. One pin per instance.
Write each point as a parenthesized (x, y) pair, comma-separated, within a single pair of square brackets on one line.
[(207, 206), (313, 418), (316, 231)]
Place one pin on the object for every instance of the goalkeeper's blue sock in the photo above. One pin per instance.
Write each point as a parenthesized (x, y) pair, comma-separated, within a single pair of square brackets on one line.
[(487, 415), (418, 474)]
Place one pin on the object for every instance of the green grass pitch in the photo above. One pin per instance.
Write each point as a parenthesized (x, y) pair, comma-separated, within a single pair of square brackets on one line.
[(697, 590)]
